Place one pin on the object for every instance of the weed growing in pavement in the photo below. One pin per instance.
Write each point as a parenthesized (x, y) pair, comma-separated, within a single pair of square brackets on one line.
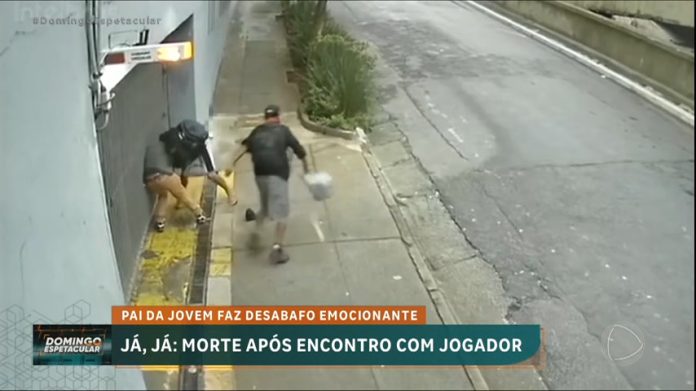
[(299, 27)]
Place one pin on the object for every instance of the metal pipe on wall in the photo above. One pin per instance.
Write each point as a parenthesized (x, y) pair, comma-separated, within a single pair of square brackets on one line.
[(101, 98), (90, 48)]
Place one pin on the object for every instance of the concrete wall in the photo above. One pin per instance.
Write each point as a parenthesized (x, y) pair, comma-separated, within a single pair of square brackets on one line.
[(665, 68), (55, 247), (679, 12), (55, 242), (139, 112)]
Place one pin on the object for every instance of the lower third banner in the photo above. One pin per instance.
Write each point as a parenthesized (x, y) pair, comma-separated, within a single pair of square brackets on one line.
[(412, 345)]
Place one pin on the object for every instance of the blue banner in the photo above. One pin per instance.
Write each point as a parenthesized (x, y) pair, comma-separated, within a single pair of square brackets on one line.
[(326, 345), (297, 345)]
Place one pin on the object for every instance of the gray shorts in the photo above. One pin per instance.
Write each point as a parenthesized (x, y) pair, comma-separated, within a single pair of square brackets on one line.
[(274, 197)]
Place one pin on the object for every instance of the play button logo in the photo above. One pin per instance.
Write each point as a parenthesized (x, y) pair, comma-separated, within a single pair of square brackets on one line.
[(623, 343)]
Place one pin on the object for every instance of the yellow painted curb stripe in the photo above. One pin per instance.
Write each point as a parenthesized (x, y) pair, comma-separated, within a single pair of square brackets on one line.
[(166, 263), (167, 257), (167, 253), (159, 368), (221, 377), (213, 368)]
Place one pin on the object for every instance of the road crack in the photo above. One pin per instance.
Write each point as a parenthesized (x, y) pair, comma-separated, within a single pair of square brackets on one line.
[(500, 209)]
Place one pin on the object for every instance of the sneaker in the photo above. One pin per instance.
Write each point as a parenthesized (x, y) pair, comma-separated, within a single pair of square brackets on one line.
[(250, 215), (159, 226), (278, 255), (202, 219)]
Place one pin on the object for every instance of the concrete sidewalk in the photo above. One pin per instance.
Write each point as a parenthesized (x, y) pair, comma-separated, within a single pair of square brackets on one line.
[(345, 251)]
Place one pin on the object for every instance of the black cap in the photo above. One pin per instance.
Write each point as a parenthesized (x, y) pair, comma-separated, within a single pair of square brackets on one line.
[(271, 111), (193, 130)]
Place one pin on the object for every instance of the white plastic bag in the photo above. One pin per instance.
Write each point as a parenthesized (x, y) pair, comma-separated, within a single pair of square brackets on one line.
[(320, 184)]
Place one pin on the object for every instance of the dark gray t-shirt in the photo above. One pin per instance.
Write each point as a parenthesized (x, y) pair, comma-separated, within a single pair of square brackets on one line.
[(157, 161), (268, 145)]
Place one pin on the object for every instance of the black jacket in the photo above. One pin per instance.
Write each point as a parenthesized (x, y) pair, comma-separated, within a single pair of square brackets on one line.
[(268, 145)]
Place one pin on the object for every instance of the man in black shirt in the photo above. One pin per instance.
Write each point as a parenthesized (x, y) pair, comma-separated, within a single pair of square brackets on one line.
[(268, 145)]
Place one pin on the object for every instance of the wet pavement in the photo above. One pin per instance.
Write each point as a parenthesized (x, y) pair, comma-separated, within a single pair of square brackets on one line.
[(575, 195)]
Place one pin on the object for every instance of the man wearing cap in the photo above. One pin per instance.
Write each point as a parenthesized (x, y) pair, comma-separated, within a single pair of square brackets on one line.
[(268, 145)]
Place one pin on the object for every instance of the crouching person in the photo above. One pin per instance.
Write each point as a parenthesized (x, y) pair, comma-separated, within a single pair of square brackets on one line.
[(174, 149)]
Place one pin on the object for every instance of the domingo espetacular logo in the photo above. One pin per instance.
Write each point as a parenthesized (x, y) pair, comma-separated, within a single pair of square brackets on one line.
[(72, 345)]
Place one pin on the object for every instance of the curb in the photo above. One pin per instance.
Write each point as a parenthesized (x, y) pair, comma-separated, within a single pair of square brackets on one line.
[(319, 128), (442, 306)]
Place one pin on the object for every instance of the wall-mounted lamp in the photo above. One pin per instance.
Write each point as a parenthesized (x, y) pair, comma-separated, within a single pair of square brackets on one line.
[(165, 52)]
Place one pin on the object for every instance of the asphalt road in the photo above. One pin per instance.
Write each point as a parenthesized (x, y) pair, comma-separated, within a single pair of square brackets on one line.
[(576, 191)]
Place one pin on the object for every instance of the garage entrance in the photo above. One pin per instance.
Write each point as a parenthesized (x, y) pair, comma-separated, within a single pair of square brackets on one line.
[(139, 110), (150, 99)]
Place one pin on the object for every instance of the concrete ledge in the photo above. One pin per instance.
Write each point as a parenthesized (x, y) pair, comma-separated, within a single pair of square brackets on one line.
[(442, 307), (319, 128), (666, 69), (679, 12)]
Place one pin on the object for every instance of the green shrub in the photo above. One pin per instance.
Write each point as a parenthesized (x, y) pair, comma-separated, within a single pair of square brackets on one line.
[(333, 28), (299, 23), (339, 82), (284, 5)]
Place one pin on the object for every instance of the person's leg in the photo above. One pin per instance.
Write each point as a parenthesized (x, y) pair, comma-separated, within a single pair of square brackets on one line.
[(279, 210), (162, 196), (262, 183), (262, 214), (259, 216), (173, 184), (280, 229), (184, 183)]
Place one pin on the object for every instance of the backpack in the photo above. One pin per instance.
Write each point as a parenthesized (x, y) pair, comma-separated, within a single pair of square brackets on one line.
[(185, 142)]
